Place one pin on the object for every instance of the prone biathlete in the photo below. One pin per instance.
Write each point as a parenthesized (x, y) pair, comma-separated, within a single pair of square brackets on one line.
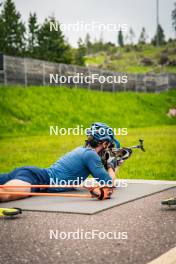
[(75, 165)]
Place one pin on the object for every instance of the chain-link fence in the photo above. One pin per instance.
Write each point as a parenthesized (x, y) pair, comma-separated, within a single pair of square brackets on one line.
[(26, 71)]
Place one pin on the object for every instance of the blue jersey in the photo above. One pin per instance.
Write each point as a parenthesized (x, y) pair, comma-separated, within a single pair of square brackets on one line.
[(72, 168), (78, 165)]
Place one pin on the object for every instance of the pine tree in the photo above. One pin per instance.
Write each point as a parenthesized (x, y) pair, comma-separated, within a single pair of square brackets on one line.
[(51, 44), (159, 35), (174, 18), (12, 30), (143, 36), (131, 36), (120, 38), (80, 53), (87, 43), (33, 29)]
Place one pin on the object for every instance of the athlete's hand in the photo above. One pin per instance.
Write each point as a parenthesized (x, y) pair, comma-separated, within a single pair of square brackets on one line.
[(120, 162), (112, 163), (101, 193)]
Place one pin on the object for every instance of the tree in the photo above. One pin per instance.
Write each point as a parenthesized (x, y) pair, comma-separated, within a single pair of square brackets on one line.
[(159, 36), (174, 18), (120, 38), (80, 53), (33, 29), (12, 30), (51, 44), (131, 36), (143, 36), (87, 43)]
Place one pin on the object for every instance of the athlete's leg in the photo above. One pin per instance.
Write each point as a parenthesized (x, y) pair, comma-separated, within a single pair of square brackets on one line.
[(15, 182)]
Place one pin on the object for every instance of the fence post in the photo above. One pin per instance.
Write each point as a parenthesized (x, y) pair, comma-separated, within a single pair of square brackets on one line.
[(75, 74), (60, 70), (2, 67), (145, 84), (167, 86), (89, 71), (43, 72), (25, 72), (101, 86), (113, 84), (136, 90), (5, 73), (124, 87)]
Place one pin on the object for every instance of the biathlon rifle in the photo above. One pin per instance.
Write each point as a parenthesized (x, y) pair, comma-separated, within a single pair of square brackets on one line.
[(120, 153)]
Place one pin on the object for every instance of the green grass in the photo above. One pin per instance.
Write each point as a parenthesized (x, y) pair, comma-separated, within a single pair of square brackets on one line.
[(31, 111), (158, 162), (26, 115), (96, 60), (130, 61)]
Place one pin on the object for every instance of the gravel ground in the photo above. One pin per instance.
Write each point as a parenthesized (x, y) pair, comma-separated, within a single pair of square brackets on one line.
[(150, 227)]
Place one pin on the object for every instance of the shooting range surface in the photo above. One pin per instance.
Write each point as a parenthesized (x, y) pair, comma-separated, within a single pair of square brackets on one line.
[(134, 190)]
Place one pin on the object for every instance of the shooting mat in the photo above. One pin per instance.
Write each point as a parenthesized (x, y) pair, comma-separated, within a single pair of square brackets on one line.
[(135, 189)]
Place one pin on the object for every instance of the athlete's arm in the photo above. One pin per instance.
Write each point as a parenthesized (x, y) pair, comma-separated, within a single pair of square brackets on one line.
[(112, 171), (112, 175), (94, 164)]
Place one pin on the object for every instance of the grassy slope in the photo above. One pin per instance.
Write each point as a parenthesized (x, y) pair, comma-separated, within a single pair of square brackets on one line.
[(33, 110), (27, 113), (130, 61)]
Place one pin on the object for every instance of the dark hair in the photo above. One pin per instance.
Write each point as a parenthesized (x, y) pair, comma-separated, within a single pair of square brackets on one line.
[(93, 143)]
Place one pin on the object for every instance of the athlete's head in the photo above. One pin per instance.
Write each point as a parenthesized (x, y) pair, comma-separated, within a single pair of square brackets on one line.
[(101, 134)]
